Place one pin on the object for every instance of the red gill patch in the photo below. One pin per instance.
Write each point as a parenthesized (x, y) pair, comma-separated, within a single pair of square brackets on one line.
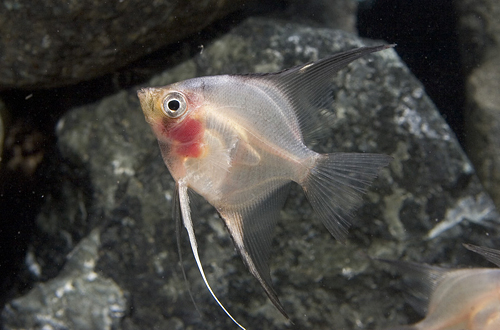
[(186, 137)]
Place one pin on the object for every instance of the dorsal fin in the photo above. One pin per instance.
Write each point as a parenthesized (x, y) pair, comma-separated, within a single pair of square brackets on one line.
[(306, 86), (492, 255)]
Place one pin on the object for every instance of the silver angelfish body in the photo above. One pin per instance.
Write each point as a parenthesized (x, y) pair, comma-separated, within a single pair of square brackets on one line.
[(238, 141), (454, 299)]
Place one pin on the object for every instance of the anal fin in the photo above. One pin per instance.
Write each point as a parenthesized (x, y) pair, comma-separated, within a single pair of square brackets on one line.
[(251, 226)]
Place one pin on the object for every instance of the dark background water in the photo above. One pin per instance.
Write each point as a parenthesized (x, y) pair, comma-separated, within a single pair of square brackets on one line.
[(428, 43)]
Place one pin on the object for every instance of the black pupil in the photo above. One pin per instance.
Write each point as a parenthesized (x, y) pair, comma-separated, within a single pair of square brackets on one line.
[(174, 105)]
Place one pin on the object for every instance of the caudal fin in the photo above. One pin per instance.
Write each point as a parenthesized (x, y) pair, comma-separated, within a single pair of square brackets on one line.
[(335, 186)]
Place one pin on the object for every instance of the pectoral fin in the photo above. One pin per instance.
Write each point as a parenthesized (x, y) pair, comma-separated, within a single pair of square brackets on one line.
[(244, 154)]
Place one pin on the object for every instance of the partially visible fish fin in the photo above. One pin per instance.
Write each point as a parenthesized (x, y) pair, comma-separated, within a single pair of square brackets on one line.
[(252, 228), (335, 185), (420, 281), (306, 86), (492, 255), (188, 224), (244, 154), (176, 215)]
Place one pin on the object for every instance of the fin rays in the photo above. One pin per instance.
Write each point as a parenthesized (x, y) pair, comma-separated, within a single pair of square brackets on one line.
[(306, 86), (492, 255), (252, 228), (176, 215), (188, 224), (335, 185), (420, 280)]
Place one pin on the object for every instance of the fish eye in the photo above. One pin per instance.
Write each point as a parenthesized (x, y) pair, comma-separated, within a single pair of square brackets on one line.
[(174, 105)]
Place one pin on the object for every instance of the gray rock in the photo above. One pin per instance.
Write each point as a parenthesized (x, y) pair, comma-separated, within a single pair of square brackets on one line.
[(78, 298), (479, 30), (421, 208), (55, 43)]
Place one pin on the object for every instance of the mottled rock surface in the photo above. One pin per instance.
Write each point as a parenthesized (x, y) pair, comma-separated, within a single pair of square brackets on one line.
[(479, 30), (78, 298), (56, 43), (422, 207)]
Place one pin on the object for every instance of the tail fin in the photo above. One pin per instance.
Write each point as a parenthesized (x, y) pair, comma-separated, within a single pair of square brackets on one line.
[(335, 186)]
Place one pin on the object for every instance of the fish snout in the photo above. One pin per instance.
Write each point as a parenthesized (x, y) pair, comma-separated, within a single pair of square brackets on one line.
[(141, 93), (147, 105)]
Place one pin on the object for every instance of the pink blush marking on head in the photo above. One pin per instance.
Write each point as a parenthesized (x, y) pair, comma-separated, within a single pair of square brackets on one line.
[(186, 131), (187, 138)]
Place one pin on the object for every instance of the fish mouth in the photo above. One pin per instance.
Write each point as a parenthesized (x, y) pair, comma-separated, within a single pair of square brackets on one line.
[(147, 93), (147, 103), (141, 93)]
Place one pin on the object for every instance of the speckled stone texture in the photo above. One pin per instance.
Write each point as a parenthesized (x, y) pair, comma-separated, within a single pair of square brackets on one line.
[(55, 43), (421, 208), (78, 298)]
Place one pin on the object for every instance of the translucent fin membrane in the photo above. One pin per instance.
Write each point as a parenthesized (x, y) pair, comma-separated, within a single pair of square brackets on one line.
[(188, 224)]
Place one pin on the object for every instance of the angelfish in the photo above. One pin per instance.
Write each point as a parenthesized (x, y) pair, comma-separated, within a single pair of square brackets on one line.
[(238, 141), (454, 299)]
